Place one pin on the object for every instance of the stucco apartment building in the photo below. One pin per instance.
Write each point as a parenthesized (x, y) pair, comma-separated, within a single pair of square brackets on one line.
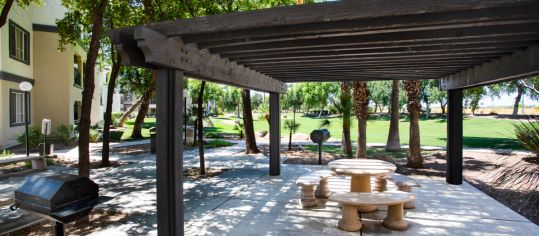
[(29, 52)]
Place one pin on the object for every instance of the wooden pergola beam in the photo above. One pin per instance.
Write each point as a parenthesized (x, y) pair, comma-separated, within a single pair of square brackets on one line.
[(158, 50), (521, 64)]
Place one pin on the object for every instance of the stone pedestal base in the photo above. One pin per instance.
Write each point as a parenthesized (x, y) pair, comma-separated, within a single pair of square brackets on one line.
[(395, 218), (362, 184), (380, 184), (350, 219), (322, 190), (307, 196), (408, 189), (39, 164)]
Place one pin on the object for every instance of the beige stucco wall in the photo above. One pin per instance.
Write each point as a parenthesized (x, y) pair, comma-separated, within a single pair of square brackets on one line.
[(52, 73), (20, 17), (8, 134)]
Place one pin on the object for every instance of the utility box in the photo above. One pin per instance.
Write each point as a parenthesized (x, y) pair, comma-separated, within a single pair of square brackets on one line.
[(46, 127)]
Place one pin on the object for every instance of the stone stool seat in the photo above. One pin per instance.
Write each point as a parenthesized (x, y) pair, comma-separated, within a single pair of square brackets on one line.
[(316, 180), (352, 200), (404, 183)]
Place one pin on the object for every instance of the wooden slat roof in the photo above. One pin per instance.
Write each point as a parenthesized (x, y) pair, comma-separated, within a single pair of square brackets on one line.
[(364, 39)]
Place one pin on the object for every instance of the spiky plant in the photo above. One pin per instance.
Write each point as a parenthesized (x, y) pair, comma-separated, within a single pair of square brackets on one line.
[(527, 132)]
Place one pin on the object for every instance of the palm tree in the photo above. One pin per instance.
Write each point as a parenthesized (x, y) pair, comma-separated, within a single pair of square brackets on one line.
[(292, 127), (361, 105), (393, 139), (415, 160), (346, 109)]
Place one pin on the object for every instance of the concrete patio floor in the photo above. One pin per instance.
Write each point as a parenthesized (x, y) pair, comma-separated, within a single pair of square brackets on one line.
[(246, 201)]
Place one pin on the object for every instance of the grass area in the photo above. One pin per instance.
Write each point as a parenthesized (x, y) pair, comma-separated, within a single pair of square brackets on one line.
[(478, 132), (215, 143), (126, 135), (371, 151)]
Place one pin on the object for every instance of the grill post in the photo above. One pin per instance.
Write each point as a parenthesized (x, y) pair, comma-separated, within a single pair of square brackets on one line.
[(320, 153), (59, 228)]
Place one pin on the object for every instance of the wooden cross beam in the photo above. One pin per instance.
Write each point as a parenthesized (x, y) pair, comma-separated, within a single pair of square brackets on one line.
[(154, 49), (519, 65)]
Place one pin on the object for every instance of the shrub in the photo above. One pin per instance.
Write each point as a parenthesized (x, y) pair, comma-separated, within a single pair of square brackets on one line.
[(34, 137), (115, 118), (64, 133), (5, 153), (240, 128), (527, 132), (213, 135), (95, 135), (324, 123)]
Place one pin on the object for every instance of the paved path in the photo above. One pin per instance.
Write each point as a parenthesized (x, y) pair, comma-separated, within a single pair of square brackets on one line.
[(246, 201)]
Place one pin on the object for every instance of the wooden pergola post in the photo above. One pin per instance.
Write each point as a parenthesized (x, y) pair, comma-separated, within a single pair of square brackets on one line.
[(454, 137), (275, 134), (169, 155)]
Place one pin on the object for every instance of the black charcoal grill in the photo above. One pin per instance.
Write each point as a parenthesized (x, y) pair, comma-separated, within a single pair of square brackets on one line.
[(319, 136), (61, 197)]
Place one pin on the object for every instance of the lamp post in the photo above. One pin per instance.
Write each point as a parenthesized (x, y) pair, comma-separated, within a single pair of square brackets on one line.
[(26, 87)]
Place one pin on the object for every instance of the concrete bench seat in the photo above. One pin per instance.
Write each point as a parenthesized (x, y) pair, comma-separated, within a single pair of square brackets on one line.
[(351, 200), (38, 162), (404, 183), (314, 184)]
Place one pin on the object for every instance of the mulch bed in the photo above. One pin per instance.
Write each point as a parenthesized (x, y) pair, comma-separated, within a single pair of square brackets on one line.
[(99, 219), (194, 172)]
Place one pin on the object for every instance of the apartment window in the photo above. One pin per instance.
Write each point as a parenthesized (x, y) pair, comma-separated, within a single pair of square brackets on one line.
[(17, 108), (19, 43), (77, 75)]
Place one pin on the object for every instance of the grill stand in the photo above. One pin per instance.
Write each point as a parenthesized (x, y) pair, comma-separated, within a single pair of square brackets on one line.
[(59, 228), (320, 153)]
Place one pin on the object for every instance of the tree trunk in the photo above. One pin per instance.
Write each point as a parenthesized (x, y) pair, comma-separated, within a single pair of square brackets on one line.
[(131, 109), (250, 139), (116, 63), (361, 104), (143, 110), (346, 140), (520, 90), (375, 108), (290, 140), (442, 105), (393, 138), (5, 12), (200, 100), (88, 92), (415, 160)]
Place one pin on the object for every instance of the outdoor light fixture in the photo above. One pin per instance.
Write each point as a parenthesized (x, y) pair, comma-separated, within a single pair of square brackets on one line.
[(26, 87)]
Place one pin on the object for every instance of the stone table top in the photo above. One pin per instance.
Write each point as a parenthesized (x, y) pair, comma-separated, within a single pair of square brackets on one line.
[(361, 167), (382, 198)]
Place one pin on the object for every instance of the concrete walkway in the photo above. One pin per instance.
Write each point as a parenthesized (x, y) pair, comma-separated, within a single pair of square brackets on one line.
[(246, 201)]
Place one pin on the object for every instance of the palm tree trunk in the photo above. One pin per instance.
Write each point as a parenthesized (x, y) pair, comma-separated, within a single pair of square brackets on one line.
[(346, 140), (361, 104), (200, 100), (415, 160), (250, 139), (393, 137)]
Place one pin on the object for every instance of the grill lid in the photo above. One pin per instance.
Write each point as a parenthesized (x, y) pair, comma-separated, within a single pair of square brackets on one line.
[(45, 194)]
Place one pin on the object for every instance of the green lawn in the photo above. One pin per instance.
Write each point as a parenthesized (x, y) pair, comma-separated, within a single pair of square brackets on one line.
[(478, 132)]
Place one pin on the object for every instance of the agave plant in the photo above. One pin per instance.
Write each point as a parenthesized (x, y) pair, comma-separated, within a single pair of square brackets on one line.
[(527, 132), (240, 128)]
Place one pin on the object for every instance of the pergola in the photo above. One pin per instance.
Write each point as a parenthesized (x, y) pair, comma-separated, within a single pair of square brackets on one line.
[(461, 43)]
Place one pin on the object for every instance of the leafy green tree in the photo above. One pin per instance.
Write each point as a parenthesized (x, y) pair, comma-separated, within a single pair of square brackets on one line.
[(521, 88), (231, 98), (84, 18), (292, 126), (380, 94), (473, 96), (7, 4), (316, 94)]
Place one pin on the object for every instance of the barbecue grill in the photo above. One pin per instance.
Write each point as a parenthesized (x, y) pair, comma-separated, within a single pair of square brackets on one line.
[(319, 136), (60, 197)]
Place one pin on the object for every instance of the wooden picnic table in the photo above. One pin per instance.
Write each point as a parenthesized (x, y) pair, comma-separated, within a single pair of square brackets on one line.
[(361, 171)]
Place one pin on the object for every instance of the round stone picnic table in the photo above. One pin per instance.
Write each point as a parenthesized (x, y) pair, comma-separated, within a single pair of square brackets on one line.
[(361, 171)]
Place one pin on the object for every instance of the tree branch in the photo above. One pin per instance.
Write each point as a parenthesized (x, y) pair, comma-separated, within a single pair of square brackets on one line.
[(5, 12)]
